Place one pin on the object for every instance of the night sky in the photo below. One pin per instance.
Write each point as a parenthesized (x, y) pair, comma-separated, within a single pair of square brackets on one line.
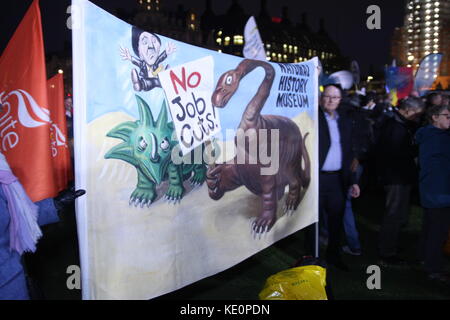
[(345, 21)]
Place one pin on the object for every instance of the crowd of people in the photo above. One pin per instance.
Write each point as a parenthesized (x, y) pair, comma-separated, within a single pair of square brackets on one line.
[(363, 135)]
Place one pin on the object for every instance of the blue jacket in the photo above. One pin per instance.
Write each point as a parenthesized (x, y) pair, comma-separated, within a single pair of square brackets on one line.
[(434, 161), (10, 264)]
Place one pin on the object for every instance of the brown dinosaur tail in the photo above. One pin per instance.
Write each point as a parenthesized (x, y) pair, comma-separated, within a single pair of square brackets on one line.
[(306, 173)]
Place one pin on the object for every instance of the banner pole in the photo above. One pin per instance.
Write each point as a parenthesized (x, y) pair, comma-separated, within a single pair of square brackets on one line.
[(316, 233)]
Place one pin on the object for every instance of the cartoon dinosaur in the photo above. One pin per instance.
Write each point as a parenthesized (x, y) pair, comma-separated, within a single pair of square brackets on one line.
[(148, 146), (292, 150)]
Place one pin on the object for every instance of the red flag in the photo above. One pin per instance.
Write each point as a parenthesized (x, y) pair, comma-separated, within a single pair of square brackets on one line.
[(24, 120), (62, 165)]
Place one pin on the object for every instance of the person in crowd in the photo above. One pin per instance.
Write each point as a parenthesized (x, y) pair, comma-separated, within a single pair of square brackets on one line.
[(434, 187), (335, 176), (363, 111), (368, 103), (433, 99), (446, 100), (68, 105), (395, 154), (360, 142), (20, 221)]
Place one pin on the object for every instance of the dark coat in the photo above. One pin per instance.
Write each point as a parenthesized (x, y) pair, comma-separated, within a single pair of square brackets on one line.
[(345, 130), (434, 161), (395, 151)]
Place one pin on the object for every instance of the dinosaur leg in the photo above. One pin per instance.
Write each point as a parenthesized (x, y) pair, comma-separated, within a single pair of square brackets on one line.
[(176, 190), (145, 192), (295, 187), (299, 179), (220, 179), (267, 217)]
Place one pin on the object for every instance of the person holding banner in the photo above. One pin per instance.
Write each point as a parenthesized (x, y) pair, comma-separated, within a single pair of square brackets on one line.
[(20, 221), (336, 178), (434, 187)]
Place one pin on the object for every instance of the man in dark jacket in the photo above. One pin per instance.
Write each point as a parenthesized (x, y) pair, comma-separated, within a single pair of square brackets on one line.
[(395, 154), (335, 176)]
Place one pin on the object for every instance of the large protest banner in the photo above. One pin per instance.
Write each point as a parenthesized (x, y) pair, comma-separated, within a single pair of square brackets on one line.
[(192, 160)]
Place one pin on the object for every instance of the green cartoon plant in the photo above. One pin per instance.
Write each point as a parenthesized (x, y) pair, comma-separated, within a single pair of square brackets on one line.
[(148, 145)]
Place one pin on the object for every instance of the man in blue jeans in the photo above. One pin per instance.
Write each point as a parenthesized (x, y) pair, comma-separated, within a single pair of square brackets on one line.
[(353, 246)]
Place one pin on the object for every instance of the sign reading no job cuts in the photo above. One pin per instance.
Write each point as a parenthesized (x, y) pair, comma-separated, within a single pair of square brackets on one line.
[(188, 90)]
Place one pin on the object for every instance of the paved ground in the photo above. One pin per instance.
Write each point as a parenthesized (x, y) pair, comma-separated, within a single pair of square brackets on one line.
[(59, 249)]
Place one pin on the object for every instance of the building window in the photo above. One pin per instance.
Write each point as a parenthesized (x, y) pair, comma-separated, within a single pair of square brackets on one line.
[(238, 39)]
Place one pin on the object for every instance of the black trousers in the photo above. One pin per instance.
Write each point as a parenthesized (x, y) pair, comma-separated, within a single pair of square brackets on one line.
[(332, 198), (436, 224), (395, 217)]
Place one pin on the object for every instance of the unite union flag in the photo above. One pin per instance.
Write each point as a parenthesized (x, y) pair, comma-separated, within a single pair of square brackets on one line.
[(62, 165), (25, 119)]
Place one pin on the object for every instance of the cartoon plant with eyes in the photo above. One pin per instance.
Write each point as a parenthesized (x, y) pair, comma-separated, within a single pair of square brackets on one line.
[(148, 145)]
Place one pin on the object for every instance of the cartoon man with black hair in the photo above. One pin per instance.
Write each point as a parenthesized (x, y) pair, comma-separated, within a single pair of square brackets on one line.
[(147, 47)]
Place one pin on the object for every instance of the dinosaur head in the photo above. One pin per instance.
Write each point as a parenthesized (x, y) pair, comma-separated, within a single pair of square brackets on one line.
[(226, 87), (147, 144)]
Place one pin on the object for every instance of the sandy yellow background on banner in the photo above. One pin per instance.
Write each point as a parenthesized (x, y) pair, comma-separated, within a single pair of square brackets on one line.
[(139, 253)]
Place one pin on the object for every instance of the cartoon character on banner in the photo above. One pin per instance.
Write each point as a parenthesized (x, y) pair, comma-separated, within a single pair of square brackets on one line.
[(148, 145), (147, 47)]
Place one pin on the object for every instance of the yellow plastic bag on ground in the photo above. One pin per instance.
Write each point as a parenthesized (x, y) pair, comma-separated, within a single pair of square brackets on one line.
[(301, 283)]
